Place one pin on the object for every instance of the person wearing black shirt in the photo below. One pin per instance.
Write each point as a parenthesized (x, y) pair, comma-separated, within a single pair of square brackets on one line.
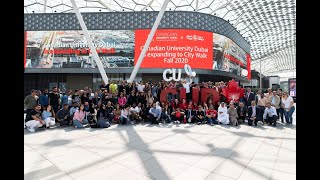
[(200, 115), (63, 115), (33, 119), (142, 99), (132, 98), (109, 110), (102, 117), (54, 99), (96, 98)]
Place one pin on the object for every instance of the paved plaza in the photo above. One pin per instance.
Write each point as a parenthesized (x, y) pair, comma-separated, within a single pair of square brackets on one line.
[(168, 151)]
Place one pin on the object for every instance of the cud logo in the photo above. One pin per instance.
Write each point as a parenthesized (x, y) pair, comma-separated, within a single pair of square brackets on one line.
[(174, 72)]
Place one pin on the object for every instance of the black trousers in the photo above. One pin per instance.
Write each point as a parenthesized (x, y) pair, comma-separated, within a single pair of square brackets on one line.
[(251, 121), (272, 120), (180, 119), (188, 96), (153, 120), (197, 119)]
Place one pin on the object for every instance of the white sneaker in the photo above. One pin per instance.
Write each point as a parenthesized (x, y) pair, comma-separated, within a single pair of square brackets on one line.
[(132, 123), (31, 130), (178, 122)]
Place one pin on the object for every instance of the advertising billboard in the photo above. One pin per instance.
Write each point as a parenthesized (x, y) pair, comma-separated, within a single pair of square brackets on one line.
[(170, 48), (292, 87), (68, 49), (228, 56), (173, 48)]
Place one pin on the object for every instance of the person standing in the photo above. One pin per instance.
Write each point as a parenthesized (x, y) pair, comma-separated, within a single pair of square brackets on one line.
[(288, 107), (187, 85), (44, 99), (275, 102), (30, 101), (281, 109), (249, 97), (54, 99)]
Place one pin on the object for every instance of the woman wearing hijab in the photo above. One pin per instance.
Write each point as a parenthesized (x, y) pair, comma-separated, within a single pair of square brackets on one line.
[(223, 116)]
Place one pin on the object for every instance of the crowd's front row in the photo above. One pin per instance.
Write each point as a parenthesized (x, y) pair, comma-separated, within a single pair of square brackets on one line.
[(105, 115)]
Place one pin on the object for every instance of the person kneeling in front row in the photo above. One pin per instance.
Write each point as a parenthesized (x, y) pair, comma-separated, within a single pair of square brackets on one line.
[(79, 117), (155, 114), (63, 116), (33, 119), (270, 115)]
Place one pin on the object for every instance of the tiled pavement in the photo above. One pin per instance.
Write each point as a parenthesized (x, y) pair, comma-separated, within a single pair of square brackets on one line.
[(167, 151)]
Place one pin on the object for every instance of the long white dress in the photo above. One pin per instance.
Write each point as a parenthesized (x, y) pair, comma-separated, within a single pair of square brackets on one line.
[(223, 116)]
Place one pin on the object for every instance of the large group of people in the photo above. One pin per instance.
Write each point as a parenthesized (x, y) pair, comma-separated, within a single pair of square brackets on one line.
[(131, 103)]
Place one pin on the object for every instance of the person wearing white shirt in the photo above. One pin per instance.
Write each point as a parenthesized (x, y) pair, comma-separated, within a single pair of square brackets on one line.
[(186, 85), (223, 116), (140, 86), (125, 114), (270, 114), (135, 113), (288, 107)]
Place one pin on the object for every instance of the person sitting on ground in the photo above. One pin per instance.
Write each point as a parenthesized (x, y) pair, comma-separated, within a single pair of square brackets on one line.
[(135, 113), (242, 112), (253, 114), (178, 116), (33, 119), (122, 100), (74, 108), (233, 115), (211, 116), (166, 113), (190, 113), (223, 117), (200, 115), (125, 115), (48, 116), (117, 114), (110, 113), (102, 117), (270, 115), (79, 117), (63, 116), (155, 114)]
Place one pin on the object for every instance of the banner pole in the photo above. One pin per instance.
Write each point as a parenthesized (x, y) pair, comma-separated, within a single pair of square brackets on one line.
[(90, 44), (149, 39)]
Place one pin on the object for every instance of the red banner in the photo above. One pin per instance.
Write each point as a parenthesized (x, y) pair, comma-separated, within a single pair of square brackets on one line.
[(249, 66), (173, 48), (25, 48)]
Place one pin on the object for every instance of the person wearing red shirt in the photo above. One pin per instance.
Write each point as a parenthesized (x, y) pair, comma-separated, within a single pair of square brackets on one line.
[(175, 104), (178, 116), (211, 115), (184, 105)]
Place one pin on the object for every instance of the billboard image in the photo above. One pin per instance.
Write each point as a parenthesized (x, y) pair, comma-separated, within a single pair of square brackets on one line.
[(228, 56), (173, 48), (170, 48), (292, 87), (68, 49)]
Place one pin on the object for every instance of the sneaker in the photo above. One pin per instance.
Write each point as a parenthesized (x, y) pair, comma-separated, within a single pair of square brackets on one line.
[(178, 122), (132, 122), (31, 130), (198, 123), (211, 124)]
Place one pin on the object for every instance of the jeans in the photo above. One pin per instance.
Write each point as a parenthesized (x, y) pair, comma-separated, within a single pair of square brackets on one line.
[(281, 113), (123, 120), (288, 115), (78, 124), (212, 120)]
